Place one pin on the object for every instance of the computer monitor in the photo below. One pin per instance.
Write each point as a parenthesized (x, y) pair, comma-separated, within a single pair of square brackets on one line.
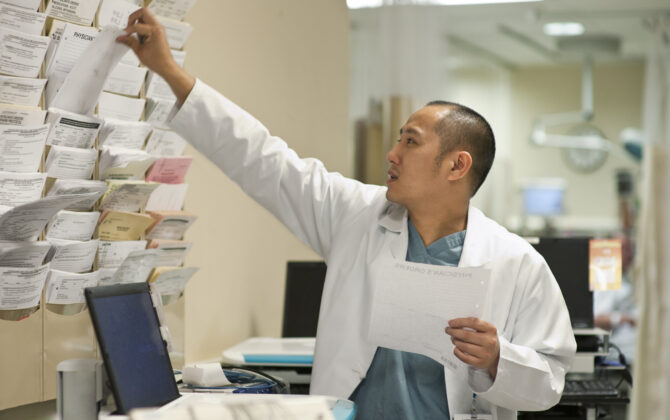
[(568, 259), (543, 197), (135, 355), (302, 300)]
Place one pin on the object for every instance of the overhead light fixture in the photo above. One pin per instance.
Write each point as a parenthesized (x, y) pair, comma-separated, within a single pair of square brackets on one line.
[(563, 28), (360, 4), (472, 2)]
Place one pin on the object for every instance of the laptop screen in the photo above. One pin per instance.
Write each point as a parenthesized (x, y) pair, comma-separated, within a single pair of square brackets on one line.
[(134, 353)]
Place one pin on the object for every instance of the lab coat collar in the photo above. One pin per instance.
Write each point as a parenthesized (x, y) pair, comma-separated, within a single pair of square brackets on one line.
[(476, 252), (393, 218)]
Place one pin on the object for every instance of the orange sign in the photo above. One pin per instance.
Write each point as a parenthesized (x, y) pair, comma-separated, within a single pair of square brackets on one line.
[(605, 264)]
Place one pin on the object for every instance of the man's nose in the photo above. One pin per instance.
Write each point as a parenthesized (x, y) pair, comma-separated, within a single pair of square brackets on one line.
[(392, 155)]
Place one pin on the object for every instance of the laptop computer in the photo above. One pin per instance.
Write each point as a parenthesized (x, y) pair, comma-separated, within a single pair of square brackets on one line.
[(135, 356)]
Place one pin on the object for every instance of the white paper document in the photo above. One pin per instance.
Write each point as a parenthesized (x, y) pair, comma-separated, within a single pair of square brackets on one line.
[(80, 12), (112, 253), (21, 147), (125, 80), (173, 281), (64, 288), (70, 162), (127, 195), (72, 130), (137, 267), (55, 35), (73, 225), (117, 163), (21, 115), (174, 252), (158, 112), (73, 41), (130, 58), (21, 90), (73, 256), (120, 107), (24, 254), (157, 87), (173, 9), (167, 197), (21, 288), (179, 56), (105, 276), (124, 134), (20, 188), (21, 54), (79, 186), (165, 143), (177, 32), (26, 4), (170, 225), (82, 86), (24, 222), (22, 20), (116, 12), (413, 303)]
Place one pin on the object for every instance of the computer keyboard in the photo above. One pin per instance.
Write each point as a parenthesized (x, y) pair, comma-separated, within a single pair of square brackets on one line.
[(589, 388)]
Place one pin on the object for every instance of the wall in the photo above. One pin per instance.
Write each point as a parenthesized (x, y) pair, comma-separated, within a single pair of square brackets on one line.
[(590, 198), (288, 64)]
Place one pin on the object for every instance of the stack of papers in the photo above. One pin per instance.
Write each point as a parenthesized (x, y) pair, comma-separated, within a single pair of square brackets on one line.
[(21, 90), (170, 281), (80, 12), (122, 226), (170, 224), (124, 134), (21, 54), (21, 147), (173, 252)]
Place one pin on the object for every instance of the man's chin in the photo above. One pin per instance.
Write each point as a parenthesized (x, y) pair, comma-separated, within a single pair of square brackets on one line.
[(393, 198)]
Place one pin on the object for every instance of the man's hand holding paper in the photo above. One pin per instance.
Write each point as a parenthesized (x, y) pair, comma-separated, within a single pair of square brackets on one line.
[(413, 304), (476, 343)]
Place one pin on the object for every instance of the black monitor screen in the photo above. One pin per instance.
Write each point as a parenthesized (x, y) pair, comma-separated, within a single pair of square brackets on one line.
[(304, 285), (134, 353), (568, 259)]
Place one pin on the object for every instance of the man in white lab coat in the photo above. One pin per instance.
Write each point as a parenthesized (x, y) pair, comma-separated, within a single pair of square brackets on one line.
[(515, 357)]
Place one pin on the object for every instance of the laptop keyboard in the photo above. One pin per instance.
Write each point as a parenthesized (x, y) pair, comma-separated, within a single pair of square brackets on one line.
[(589, 388)]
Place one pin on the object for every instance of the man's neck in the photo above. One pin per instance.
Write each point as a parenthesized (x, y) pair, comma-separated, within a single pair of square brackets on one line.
[(436, 223)]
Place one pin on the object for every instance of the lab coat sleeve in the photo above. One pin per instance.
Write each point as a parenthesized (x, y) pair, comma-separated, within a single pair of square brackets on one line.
[(309, 200), (538, 350)]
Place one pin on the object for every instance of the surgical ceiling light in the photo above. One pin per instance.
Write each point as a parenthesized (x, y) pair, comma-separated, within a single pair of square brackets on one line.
[(584, 145), (360, 4), (563, 28)]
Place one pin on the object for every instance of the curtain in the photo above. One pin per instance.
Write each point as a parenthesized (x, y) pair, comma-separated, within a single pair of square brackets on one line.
[(651, 378)]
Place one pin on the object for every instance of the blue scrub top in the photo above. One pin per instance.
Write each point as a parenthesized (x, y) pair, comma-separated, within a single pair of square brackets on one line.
[(404, 385)]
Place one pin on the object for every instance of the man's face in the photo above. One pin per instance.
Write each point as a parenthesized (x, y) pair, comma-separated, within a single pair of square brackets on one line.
[(414, 174)]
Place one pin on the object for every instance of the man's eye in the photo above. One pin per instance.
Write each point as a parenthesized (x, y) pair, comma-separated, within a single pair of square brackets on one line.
[(410, 141)]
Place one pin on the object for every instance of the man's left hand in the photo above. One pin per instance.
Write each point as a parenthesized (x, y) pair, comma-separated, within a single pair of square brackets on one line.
[(476, 343)]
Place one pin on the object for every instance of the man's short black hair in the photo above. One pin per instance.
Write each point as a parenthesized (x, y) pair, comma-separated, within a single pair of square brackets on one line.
[(466, 128)]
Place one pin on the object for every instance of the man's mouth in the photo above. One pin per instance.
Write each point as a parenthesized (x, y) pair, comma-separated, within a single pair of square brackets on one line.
[(391, 176)]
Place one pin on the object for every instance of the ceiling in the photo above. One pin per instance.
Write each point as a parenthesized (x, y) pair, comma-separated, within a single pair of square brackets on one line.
[(512, 35)]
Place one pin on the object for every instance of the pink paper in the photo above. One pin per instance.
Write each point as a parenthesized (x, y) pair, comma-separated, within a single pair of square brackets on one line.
[(169, 170)]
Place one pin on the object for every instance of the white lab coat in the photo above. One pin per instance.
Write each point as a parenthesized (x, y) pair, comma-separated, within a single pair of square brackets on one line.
[(351, 225)]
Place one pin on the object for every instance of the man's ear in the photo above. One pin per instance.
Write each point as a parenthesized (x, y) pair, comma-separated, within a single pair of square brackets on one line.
[(460, 164)]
